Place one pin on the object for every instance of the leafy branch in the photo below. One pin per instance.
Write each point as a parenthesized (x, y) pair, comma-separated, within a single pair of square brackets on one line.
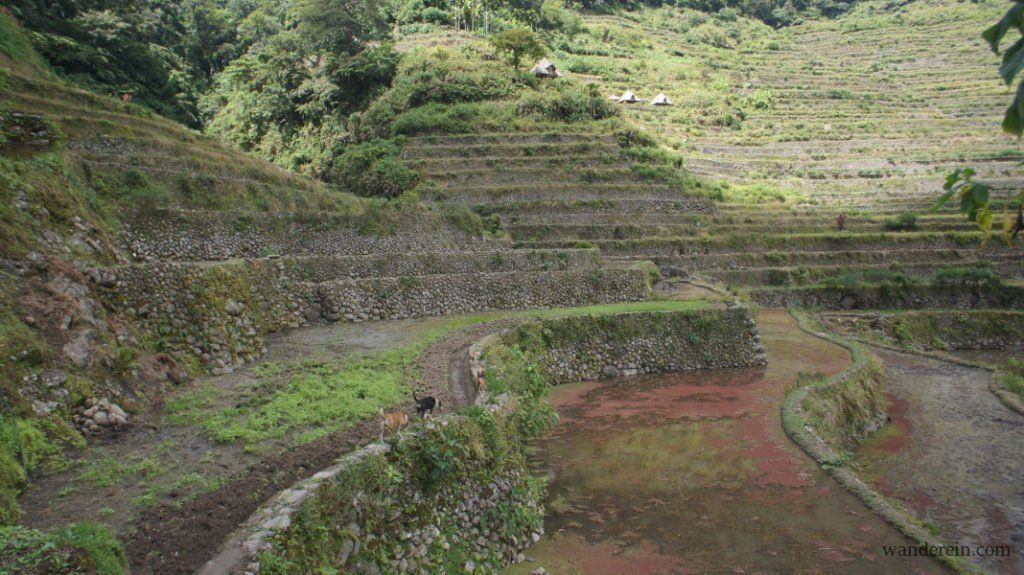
[(974, 197)]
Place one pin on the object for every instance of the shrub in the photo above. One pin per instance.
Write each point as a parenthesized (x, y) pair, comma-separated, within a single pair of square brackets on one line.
[(901, 223), (436, 16), (976, 276), (567, 105), (371, 169), (886, 278)]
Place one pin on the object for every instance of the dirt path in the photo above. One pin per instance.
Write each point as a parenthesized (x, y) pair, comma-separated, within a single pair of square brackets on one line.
[(692, 473), (954, 455), (175, 534)]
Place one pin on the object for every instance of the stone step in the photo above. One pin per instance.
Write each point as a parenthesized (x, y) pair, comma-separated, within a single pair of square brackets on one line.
[(807, 275), (685, 206), (787, 258), (176, 235), (318, 268), (460, 180), (541, 232), (511, 150), (653, 247), (504, 194)]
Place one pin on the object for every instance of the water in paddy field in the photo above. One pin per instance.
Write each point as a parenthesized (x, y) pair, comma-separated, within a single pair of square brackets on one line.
[(954, 455), (692, 473)]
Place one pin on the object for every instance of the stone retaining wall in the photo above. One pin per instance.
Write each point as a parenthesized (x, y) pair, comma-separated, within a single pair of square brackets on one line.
[(936, 330), (410, 530), (420, 296), (791, 276), (687, 206), (221, 312), (731, 261), (915, 297), (593, 347), (319, 523), (328, 268), (218, 313), (664, 247), (196, 235)]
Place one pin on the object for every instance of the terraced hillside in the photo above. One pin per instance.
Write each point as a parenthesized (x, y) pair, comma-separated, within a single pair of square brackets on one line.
[(874, 104), (863, 116), (148, 271)]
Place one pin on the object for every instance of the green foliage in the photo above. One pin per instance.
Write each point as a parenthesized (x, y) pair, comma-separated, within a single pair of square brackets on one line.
[(317, 398), (567, 103), (16, 46), (76, 549), (1013, 62), (974, 197), (517, 44), (977, 276), (901, 223), (371, 169), (1012, 376), (852, 280)]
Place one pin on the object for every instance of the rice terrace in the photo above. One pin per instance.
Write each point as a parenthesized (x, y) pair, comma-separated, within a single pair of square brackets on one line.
[(519, 287)]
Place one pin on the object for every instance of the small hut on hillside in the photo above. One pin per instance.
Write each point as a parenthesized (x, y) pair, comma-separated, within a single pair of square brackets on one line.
[(661, 100), (545, 69), (629, 98)]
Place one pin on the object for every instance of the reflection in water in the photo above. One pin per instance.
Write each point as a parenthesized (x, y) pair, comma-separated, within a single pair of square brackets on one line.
[(692, 473)]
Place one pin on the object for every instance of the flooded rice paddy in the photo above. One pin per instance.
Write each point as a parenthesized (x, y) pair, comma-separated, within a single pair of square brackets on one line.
[(954, 456), (692, 473)]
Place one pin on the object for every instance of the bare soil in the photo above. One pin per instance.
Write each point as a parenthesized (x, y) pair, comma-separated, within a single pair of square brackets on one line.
[(179, 534)]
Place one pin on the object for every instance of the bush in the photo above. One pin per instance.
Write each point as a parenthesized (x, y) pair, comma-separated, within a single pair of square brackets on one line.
[(887, 278), (976, 276), (901, 223), (371, 169), (567, 105), (436, 16)]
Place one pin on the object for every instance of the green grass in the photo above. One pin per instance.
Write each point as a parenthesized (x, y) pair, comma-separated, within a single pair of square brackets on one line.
[(76, 549), (16, 50), (301, 402), (1013, 377), (109, 471)]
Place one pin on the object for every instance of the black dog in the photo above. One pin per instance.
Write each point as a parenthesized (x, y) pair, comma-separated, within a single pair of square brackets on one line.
[(425, 405)]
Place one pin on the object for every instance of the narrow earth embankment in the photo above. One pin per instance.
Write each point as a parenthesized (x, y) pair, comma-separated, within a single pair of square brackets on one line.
[(954, 455), (692, 473)]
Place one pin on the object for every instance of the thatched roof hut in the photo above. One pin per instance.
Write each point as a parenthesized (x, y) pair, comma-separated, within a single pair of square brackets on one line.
[(661, 100), (545, 69), (629, 98)]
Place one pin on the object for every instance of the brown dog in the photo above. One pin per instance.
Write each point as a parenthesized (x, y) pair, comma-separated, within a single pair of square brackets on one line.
[(392, 421)]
